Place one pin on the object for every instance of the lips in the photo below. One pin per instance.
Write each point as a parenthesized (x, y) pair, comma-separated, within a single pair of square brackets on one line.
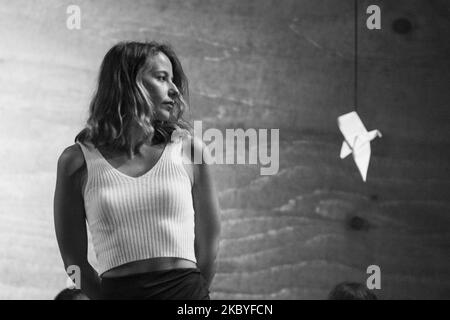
[(168, 105)]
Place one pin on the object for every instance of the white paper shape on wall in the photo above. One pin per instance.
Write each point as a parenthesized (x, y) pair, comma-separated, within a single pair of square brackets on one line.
[(357, 140)]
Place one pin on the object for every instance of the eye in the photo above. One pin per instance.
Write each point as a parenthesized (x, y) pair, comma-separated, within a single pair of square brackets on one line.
[(161, 78)]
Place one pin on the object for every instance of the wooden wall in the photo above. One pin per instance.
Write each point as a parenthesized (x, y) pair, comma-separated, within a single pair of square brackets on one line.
[(252, 64)]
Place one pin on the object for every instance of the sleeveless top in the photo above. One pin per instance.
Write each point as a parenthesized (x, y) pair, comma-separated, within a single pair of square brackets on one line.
[(136, 218)]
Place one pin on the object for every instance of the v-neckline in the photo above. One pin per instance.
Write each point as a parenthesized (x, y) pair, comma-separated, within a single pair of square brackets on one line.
[(128, 176)]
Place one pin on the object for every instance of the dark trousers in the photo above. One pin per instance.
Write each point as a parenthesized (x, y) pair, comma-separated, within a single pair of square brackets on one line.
[(174, 284)]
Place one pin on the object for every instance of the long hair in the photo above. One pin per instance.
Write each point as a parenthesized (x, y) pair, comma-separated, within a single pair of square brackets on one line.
[(122, 108)]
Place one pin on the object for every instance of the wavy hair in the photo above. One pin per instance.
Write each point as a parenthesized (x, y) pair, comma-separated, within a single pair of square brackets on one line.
[(122, 109)]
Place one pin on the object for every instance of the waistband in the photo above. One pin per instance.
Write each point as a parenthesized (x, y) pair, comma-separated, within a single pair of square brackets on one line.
[(149, 275)]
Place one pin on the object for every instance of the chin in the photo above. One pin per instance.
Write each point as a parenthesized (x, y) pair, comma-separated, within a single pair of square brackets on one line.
[(163, 116)]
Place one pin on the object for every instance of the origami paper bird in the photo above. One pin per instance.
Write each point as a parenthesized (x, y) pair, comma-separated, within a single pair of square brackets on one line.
[(357, 140)]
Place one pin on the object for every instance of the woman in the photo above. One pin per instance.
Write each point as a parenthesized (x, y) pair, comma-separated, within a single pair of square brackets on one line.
[(153, 214)]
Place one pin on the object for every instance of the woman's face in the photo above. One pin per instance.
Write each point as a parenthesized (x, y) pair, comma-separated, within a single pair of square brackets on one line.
[(157, 78)]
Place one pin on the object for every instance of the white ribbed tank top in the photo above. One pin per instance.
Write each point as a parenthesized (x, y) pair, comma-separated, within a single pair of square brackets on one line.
[(136, 218)]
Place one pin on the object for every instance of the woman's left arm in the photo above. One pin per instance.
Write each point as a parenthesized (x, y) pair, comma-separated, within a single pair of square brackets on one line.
[(207, 215)]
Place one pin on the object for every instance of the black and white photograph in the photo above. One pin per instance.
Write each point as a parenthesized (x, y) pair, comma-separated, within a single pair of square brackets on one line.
[(234, 150)]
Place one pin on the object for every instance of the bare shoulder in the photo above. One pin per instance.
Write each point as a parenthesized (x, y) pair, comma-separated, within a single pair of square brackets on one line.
[(71, 160), (200, 160), (194, 146)]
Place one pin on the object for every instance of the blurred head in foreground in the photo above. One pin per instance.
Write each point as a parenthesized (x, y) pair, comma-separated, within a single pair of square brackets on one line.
[(351, 291), (71, 294)]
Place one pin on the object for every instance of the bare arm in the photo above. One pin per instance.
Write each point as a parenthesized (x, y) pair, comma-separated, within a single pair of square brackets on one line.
[(69, 219), (207, 216)]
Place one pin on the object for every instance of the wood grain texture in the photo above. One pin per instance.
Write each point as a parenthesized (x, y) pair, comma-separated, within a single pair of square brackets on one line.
[(251, 64)]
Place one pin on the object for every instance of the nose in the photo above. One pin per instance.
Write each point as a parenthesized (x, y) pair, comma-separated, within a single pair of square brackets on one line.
[(173, 91)]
